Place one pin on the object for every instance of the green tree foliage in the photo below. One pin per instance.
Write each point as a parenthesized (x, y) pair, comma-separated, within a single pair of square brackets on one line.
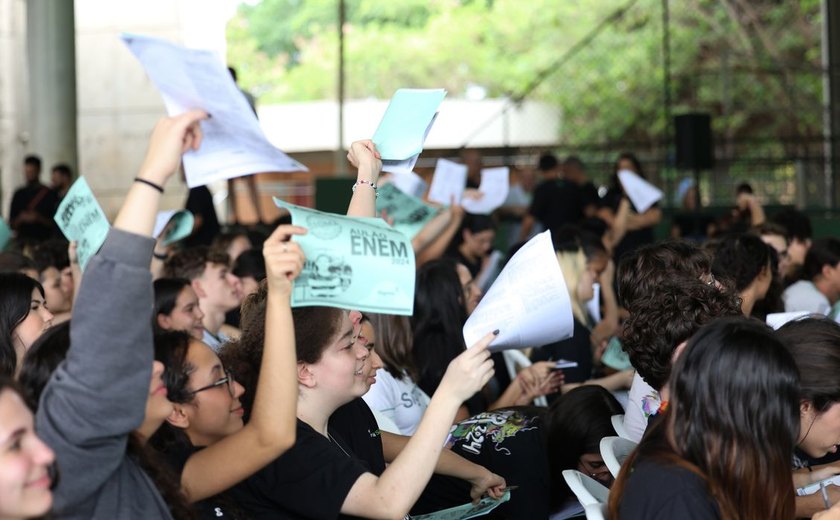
[(753, 64)]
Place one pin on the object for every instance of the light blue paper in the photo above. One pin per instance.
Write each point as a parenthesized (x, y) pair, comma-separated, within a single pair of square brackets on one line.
[(80, 218), (5, 234), (403, 128), (466, 511), (174, 225), (409, 213), (352, 263)]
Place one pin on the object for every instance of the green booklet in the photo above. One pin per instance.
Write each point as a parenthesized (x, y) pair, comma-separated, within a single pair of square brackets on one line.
[(352, 263), (466, 511)]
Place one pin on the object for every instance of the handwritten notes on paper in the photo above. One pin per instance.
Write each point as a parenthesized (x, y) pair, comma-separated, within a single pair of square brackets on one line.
[(529, 302), (493, 190), (352, 263), (233, 143), (80, 218)]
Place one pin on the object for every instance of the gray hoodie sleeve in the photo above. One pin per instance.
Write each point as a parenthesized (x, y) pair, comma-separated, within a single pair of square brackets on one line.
[(97, 396)]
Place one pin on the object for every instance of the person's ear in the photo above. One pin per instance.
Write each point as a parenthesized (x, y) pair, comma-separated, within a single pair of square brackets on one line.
[(678, 351), (806, 407), (178, 417), (164, 321), (199, 291), (305, 376)]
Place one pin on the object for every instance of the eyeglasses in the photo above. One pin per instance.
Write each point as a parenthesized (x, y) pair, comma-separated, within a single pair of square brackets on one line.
[(227, 380), (595, 469)]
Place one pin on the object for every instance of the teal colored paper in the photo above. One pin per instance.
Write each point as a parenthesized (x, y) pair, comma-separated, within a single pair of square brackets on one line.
[(5, 234), (352, 263), (466, 511), (401, 132), (180, 226), (615, 357), (409, 213), (80, 218)]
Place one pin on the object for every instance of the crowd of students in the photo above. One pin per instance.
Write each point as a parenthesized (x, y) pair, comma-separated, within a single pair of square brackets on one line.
[(181, 383)]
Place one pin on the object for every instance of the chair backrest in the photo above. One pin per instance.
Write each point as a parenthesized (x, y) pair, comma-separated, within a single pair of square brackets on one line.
[(618, 426), (614, 450), (587, 490), (514, 358), (596, 511)]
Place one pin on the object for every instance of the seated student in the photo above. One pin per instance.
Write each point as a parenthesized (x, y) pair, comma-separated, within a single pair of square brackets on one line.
[(205, 429), (176, 307), (820, 288), (701, 460), (774, 236), (395, 394), (27, 473), (814, 344), (107, 395), (532, 447), (744, 259), (216, 287), (653, 331), (24, 316), (799, 233), (55, 272), (472, 246)]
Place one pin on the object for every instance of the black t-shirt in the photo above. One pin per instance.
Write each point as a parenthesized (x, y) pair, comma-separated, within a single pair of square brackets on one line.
[(215, 507), (659, 491), (356, 426), (200, 203), (632, 239), (508, 442), (310, 481), (589, 195), (577, 348), (556, 203), (38, 198)]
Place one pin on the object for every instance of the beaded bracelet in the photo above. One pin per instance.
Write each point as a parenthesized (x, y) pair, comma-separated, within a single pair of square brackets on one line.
[(149, 184), (368, 183)]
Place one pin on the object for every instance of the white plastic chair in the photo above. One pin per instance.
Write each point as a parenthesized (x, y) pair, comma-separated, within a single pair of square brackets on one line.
[(618, 426), (514, 358), (587, 490), (596, 511), (614, 450)]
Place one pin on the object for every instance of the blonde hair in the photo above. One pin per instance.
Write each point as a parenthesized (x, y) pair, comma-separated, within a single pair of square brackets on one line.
[(573, 265)]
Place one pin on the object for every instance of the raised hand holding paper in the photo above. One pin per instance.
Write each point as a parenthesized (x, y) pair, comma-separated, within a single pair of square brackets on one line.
[(641, 193), (494, 187), (448, 183), (528, 302), (80, 218), (409, 213), (177, 224), (466, 511), (233, 142), (352, 263)]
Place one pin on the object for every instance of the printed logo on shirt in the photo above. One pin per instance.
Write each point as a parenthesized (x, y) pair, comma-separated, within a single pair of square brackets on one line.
[(218, 511), (374, 433), (495, 426), (412, 399)]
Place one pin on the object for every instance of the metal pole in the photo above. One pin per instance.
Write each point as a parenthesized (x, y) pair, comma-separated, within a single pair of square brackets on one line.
[(339, 153), (666, 83), (828, 87)]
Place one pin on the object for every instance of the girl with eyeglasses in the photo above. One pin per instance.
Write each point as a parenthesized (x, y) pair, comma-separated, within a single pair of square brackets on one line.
[(26, 478)]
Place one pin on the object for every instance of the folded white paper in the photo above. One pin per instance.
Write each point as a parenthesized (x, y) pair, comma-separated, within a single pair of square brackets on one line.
[(777, 319), (641, 193), (529, 302), (494, 187), (448, 183)]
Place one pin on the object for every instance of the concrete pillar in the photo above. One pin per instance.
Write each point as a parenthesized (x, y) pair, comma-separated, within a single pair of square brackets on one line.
[(51, 45), (13, 98)]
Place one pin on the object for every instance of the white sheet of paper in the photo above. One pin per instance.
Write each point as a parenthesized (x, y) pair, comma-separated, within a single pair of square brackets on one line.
[(495, 184), (233, 143), (528, 302), (641, 193), (594, 305), (777, 319), (448, 183), (409, 183)]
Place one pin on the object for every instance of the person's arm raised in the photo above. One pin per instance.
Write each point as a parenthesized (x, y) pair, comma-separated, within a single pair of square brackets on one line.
[(392, 494), (366, 159), (271, 430)]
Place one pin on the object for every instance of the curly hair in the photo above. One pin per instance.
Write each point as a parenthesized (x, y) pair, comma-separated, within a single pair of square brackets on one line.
[(642, 271), (668, 316)]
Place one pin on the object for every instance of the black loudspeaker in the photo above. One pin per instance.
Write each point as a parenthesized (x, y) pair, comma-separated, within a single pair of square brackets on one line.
[(693, 140)]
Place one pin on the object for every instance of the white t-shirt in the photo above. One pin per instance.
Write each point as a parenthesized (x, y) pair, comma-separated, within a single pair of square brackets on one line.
[(401, 400), (804, 296), (643, 402)]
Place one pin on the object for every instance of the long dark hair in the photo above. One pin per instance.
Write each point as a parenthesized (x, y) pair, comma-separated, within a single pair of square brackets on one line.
[(15, 305), (439, 316), (575, 423), (815, 346), (733, 414), (394, 344), (167, 291), (38, 365)]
